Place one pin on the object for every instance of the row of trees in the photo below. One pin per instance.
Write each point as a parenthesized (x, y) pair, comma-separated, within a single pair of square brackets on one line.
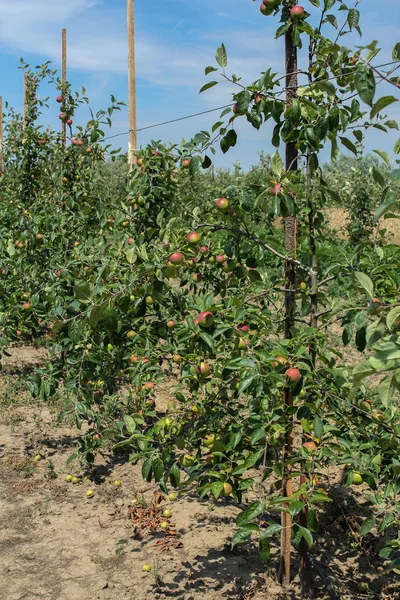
[(139, 285)]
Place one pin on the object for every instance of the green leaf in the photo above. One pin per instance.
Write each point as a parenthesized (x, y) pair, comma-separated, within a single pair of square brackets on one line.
[(396, 52), (388, 205), (312, 522), (147, 470), (251, 512), (257, 435), (365, 282), (396, 147), (361, 340), (240, 536), (393, 566), (110, 318), (217, 488), (296, 506), (208, 70), (349, 145), (393, 317), (82, 292), (311, 139), (367, 525), (74, 331), (228, 140), (158, 469), (387, 388), (365, 84), (378, 177), (353, 18), (130, 423), (381, 104), (306, 534), (245, 383), (175, 476), (384, 156), (276, 164), (208, 85), (328, 4), (271, 530), (264, 549), (319, 497), (221, 56), (318, 427), (326, 86)]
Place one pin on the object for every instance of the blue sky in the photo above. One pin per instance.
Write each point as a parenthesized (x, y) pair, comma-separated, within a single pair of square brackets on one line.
[(176, 40)]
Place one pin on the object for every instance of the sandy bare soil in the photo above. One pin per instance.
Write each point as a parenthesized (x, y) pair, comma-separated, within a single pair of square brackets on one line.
[(56, 544)]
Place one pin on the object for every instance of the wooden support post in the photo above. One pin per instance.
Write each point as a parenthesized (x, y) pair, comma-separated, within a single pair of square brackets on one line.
[(64, 81), (131, 83), (290, 306)]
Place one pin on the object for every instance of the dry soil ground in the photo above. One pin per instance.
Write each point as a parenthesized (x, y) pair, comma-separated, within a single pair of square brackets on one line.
[(55, 544)]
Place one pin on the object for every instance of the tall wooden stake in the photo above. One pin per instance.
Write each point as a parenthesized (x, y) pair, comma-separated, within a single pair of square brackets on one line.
[(290, 277), (1, 137), (131, 82), (64, 81)]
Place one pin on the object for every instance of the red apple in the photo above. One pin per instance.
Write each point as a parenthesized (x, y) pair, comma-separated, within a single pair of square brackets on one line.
[(193, 238), (206, 319), (62, 116), (130, 241), (149, 385), (271, 3), (242, 327), (185, 162), (297, 13), (171, 324), (69, 121), (265, 11), (310, 446), (220, 259), (279, 360), (203, 250), (26, 306), (276, 189), (203, 369), (89, 150), (196, 277), (176, 258), (258, 98), (59, 99), (293, 374), (222, 204), (140, 162), (43, 142)]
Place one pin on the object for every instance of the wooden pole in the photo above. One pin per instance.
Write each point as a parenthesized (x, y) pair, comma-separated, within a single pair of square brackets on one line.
[(131, 83), (64, 81), (290, 305), (1, 137)]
